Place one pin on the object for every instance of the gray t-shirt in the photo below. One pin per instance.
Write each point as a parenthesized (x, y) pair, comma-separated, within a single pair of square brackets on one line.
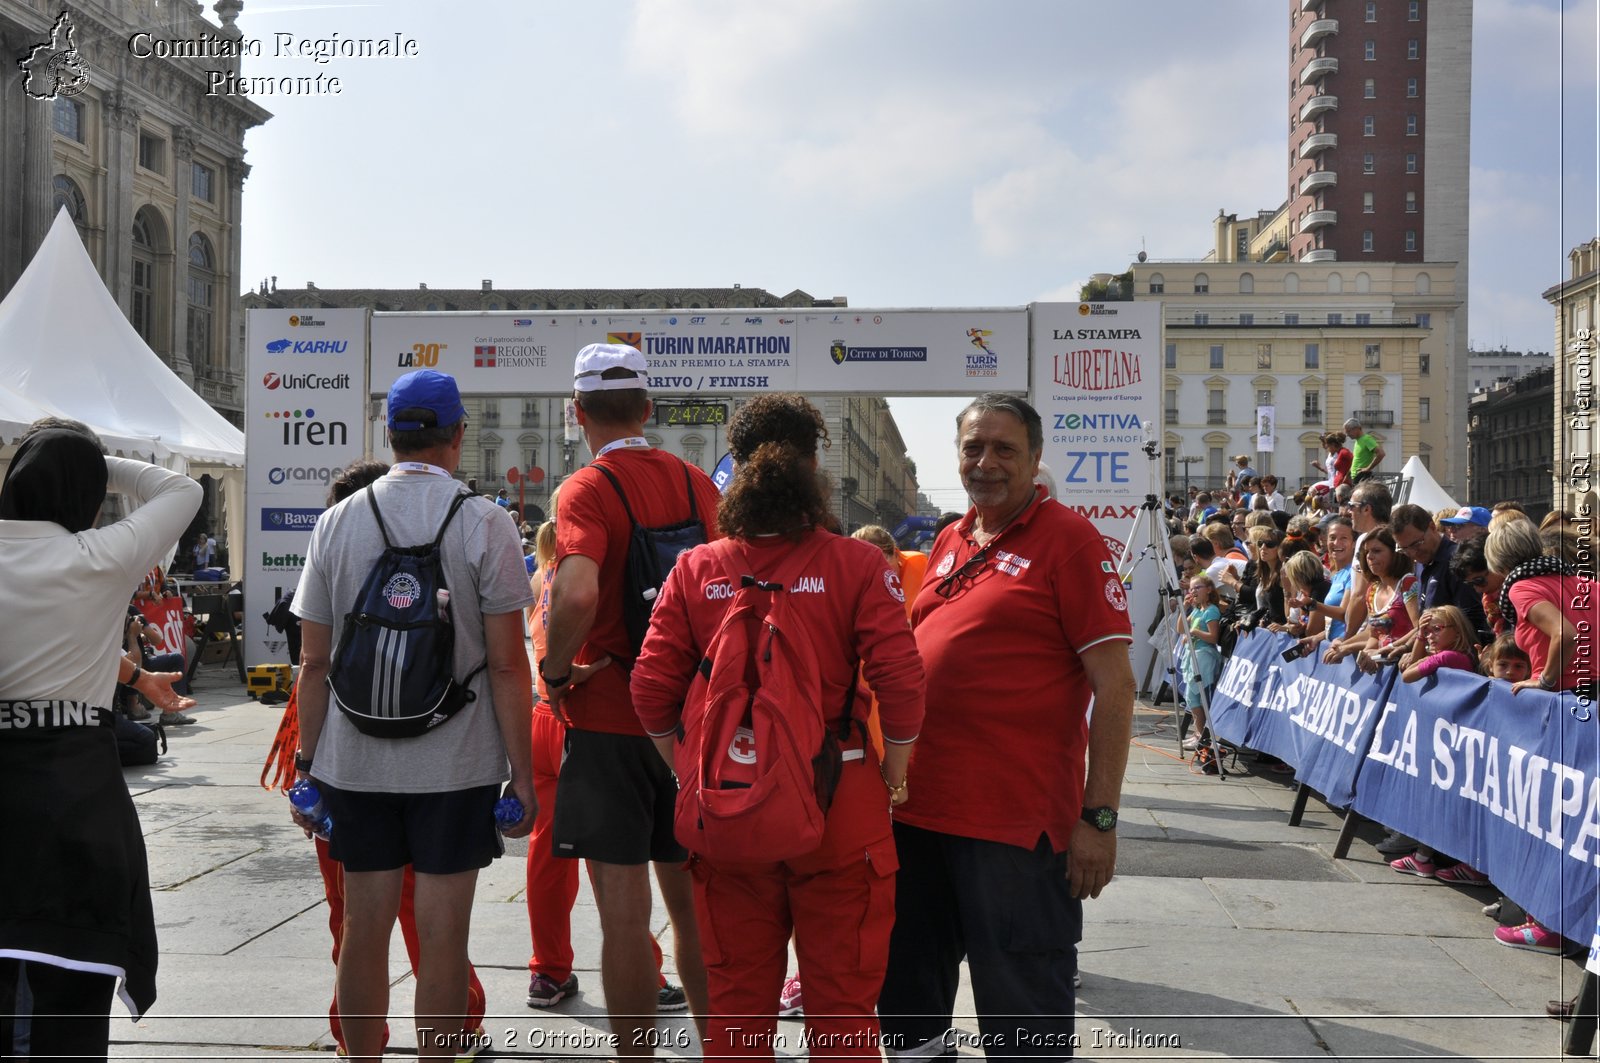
[(484, 570)]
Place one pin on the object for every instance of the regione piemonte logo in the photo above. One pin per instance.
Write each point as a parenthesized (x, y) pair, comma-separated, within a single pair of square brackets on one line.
[(55, 67)]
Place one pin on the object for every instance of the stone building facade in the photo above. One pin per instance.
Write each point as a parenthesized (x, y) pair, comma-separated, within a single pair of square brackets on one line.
[(1575, 440), (1510, 444), (149, 166)]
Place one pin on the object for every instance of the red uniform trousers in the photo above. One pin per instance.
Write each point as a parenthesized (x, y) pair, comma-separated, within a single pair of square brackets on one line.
[(333, 889), (837, 902), (552, 880)]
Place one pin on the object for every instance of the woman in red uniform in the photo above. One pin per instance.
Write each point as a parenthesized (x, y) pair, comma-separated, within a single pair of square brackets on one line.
[(838, 900)]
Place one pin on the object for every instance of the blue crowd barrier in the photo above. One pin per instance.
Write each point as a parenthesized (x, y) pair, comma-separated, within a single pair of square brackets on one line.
[(1508, 783)]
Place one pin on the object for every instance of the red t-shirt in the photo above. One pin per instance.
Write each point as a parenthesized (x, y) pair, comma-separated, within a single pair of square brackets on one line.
[(590, 521), (1002, 752), (851, 606), (1576, 597)]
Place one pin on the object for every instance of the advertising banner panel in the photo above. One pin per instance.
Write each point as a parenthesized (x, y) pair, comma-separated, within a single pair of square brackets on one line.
[(305, 419), (1096, 385), (728, 352)]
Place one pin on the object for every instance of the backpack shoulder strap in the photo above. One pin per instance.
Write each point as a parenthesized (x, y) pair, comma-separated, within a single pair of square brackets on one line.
[(455, 506), (617, 485), (688, 487), (372, 500)]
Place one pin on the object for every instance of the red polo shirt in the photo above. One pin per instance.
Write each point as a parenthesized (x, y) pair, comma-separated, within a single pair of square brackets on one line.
[(1002, 751)]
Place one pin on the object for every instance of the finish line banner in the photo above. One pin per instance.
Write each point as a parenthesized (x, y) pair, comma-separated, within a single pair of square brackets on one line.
[(1508, 783), (1317, 717)]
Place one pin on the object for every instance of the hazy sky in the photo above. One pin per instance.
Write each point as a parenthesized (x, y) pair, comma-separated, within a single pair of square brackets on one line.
[(901, 153)]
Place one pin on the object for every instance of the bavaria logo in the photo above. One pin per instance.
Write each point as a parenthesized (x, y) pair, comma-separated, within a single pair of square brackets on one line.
[(402, 590)]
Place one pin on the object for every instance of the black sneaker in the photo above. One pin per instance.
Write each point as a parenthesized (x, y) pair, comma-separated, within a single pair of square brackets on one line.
[(546, 992), (671, 998)]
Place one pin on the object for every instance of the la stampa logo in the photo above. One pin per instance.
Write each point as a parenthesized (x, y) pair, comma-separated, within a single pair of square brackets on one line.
[(55, 67)]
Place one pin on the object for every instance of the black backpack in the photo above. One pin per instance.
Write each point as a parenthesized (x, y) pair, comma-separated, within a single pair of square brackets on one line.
[(393, 675), (651, 554)]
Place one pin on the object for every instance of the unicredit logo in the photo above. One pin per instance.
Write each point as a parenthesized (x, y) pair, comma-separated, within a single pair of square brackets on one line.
[(306, 381)]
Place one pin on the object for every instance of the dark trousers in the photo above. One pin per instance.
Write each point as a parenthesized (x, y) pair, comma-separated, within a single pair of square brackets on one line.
[(70, 1017), (1008, 912)]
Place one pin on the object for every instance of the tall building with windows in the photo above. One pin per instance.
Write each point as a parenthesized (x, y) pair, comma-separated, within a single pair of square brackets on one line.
[(874, 481), (1380, 97), (149, 166), (1576, 442), (1318, 342)]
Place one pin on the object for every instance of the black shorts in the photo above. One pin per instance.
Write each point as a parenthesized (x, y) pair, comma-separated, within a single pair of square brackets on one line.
[(437, 834), (614, 801)]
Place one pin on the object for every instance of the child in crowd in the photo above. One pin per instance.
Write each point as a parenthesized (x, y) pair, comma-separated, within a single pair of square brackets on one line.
[(1504, 659), (1202, 660), (1446, 640)]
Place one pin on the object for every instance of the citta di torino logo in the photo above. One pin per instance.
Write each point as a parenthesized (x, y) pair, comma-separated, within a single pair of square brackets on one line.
[(55, 67)]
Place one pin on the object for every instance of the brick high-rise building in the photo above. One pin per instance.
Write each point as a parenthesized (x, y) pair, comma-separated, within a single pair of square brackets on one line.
[(1379, 118)]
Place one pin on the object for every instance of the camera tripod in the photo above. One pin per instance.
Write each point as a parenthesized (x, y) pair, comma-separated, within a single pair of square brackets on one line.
[(1147, 541)]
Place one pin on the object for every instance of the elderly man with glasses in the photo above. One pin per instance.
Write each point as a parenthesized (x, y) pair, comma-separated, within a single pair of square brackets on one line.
[(1012, 817)]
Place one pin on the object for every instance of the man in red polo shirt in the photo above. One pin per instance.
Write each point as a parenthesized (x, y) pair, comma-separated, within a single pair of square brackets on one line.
[(1021, 619), (615, 795)]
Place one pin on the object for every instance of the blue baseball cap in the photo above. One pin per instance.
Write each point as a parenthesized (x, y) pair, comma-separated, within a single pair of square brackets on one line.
[(1469, 515), (420, 393)]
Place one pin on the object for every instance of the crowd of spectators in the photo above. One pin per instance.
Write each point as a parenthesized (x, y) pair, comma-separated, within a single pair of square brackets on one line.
[(1351, 575)]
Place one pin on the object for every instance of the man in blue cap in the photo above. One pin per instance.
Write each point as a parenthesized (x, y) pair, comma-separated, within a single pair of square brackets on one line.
[(1469, 523), (427, 800)]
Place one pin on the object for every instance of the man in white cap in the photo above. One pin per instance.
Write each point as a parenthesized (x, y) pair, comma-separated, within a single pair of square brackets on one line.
[(615, 797)]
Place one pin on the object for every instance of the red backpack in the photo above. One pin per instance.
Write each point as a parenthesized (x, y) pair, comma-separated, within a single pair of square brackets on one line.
[(757, 763)]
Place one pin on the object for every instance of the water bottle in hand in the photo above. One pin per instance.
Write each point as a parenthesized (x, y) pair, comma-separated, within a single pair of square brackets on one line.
[(307, 800), (507, 813)]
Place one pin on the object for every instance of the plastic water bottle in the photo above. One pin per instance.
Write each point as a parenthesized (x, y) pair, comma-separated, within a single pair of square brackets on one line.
[(507, 813), (307, 800)]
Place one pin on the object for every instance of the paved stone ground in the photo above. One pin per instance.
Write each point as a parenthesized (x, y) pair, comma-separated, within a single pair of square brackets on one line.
[(1226, 934)]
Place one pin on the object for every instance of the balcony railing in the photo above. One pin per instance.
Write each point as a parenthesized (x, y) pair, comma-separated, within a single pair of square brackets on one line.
[(1320, 254), (1318, 105), (1375, 418), (1318, 218), (1216, 417), (1318, 142), (1319, 68), (1318, 179), (1173, 416), (1310, 416), (1322, 27)]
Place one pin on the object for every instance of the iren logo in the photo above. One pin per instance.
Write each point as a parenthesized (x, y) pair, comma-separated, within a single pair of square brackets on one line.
[(301, 428)]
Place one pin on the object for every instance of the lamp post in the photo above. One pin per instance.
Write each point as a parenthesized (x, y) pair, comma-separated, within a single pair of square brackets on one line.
[(1186, 461)]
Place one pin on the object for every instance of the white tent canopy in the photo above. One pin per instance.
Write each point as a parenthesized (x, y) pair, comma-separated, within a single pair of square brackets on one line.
[(66, 349), (1425, 490)]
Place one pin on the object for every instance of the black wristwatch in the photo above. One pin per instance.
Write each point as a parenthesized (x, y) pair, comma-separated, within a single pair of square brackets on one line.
[(301, 761), (554, 682), (1102, 819)]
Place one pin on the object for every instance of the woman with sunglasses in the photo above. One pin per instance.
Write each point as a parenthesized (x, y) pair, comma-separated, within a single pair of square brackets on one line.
[(837, 901)]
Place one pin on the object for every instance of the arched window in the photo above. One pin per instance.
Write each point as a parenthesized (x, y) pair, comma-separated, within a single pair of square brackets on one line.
[(1335, 284), (1158, 284), (1363, 282), (1202, 283), (1247, 283), (202, 299), (1424, 284), (149, 242), (69, 196), (1291, 282)]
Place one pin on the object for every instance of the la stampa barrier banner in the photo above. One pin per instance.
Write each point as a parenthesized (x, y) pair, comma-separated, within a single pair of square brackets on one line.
[(1317, 717), (1508, 783)]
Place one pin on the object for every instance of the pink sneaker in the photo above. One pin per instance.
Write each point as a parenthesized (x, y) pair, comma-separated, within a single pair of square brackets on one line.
[(1416, 865), (789, 999), (1532, 937), (1462, 875)]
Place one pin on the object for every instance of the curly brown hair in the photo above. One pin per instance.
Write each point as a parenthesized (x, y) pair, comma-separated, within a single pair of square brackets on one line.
[(779, 417), (774, 492)]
